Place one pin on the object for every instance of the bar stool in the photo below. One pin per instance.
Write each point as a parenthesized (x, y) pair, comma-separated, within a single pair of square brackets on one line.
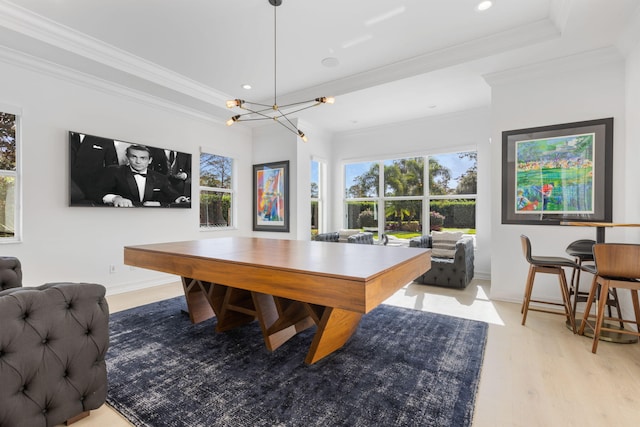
[(549, 265), (582, 251), (617, 267)]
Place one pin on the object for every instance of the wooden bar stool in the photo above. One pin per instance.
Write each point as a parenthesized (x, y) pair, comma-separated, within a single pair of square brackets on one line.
[(617, 266), (582, 251), (548, 265)]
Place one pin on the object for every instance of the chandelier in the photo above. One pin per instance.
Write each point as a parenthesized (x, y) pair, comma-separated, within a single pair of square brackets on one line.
[(278, 113)]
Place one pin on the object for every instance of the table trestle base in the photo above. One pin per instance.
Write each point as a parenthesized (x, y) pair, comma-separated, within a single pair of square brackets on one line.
[(280, 318)]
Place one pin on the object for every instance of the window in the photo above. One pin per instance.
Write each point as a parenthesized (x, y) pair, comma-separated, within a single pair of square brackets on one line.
[(216, 191), (8, 177), (453, 182), (318, 214), (395, 190), (361, 193)]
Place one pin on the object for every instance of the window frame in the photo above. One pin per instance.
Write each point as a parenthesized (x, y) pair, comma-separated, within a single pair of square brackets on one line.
[(232, 191), (381, 199), (322, 193), (17, 175)]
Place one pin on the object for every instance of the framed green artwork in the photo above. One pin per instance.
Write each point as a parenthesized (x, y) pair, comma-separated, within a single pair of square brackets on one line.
[(558, 173)]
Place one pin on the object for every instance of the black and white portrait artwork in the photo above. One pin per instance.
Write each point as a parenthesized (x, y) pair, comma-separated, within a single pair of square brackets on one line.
[(108, 172)]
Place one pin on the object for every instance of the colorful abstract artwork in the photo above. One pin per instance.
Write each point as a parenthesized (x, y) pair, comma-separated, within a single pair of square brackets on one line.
[(271, 189), (558, 173), (555, 175)]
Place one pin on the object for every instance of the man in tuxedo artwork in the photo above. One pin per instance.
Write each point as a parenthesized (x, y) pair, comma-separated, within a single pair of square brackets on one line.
[(89, 156), (135, 184), (179, 166)]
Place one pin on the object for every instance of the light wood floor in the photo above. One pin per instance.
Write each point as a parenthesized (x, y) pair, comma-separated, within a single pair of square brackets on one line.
[(534, 375)]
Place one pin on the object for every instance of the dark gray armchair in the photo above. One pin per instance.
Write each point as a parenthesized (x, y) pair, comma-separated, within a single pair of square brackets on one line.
[(53, 340), (10, 273), (454, 272), (327, 237), (361, 238)]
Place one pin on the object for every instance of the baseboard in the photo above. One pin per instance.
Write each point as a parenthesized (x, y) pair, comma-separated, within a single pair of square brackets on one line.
[(482, 275), (142, 284)]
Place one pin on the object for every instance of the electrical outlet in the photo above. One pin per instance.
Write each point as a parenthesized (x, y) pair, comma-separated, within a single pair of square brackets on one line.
[(112, 269)]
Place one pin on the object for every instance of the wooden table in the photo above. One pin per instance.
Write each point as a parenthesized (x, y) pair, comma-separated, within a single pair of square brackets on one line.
[(600, 227), (287, 285)]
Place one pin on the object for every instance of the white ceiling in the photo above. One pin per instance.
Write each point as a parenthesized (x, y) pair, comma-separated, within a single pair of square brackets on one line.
[(398, 59)]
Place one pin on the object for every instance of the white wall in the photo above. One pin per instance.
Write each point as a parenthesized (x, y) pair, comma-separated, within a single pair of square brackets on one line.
[(584, 87), (632, 98), (274, 143), (468, 130), (78, 244), (61, 243), (318, 147)]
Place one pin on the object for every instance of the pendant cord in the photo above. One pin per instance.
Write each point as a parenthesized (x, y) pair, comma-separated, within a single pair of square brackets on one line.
[(275, 65)]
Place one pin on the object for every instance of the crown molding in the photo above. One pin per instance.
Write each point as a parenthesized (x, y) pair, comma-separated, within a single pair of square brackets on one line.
[(35, 26), (38, 65), (565, 64)]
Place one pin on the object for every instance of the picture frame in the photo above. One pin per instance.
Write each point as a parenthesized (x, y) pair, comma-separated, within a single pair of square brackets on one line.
[(100, 172), (271, 197), (557, 173)]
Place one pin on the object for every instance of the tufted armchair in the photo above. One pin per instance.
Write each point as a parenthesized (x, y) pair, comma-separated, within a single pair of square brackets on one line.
[(327, 237), (348, 236), (10, 273), (365, 238), (454, 272), (53, 340)]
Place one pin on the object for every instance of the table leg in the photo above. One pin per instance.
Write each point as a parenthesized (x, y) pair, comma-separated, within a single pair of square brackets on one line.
[(280, 318), (599, 234), (335, 328), (198, 305)]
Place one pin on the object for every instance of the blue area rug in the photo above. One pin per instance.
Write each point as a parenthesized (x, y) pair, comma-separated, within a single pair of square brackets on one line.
[(402, 367)]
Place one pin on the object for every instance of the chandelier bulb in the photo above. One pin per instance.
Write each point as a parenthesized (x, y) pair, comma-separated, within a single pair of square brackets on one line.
[(235, 103), (326, 100), (302, 135), (232, 120)]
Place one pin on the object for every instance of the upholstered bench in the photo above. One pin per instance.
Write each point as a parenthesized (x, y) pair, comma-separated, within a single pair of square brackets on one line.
[(451, 261)]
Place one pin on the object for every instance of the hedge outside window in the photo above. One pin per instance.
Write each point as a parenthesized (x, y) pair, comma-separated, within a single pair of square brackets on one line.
[(216, 191)]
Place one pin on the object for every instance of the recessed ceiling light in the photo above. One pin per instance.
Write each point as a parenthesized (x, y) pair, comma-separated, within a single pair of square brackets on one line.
[(330, 62), (484, 5), (246, 86)]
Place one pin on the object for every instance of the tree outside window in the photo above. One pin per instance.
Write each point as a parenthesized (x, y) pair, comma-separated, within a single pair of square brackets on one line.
[(216, 191)]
